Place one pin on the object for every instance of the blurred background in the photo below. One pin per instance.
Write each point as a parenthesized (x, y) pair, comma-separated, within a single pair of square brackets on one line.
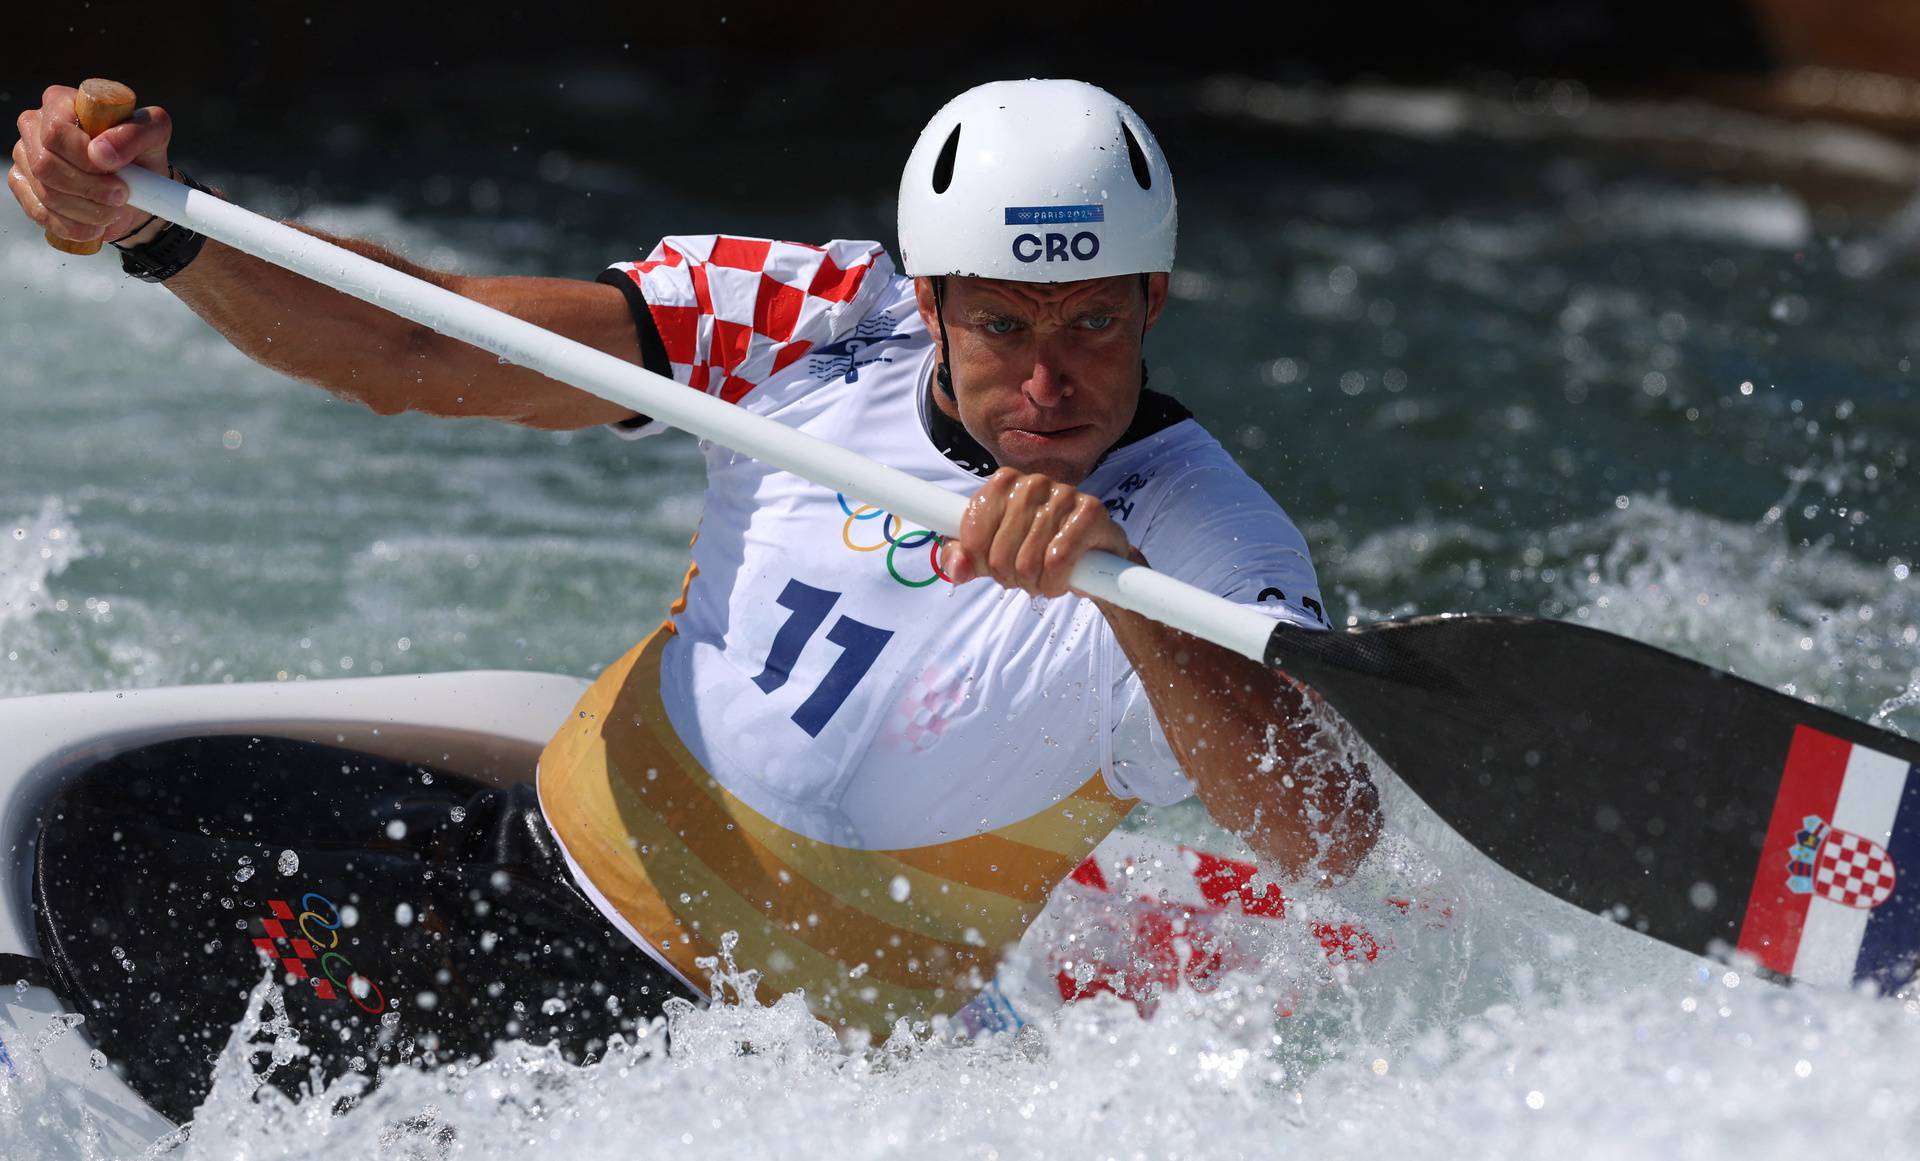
[(620, 81)]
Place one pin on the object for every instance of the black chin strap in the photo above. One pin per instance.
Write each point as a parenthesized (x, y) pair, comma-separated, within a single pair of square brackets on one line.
[(941, 375)]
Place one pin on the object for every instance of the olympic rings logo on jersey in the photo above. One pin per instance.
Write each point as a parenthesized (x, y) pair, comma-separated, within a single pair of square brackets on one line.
[(901, 547)]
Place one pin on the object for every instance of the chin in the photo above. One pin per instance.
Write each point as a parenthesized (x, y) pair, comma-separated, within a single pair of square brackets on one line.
[(1059, 470), (1065, 463)]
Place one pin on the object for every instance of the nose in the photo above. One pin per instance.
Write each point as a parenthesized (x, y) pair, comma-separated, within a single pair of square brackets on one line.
[(1048, 383)]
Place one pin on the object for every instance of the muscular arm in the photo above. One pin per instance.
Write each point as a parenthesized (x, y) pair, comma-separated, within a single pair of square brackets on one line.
[(1251, 741), (370, 356), (70, 185), (1247, 737)]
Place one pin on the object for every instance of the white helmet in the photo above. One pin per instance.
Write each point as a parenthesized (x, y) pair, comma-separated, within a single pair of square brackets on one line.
[(1036, 181)]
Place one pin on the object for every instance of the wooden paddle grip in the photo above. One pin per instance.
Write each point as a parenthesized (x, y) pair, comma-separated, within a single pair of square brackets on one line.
[(98, 106)]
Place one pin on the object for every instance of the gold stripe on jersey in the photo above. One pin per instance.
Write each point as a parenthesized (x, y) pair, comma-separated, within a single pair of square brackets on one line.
[(684, 861)]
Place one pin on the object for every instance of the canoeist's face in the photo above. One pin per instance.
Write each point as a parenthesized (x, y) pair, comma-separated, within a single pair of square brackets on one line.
[(1047, 375)]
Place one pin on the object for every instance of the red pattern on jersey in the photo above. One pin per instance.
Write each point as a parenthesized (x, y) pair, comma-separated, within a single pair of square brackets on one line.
[(777, 310), (789, 354), (726, 333), (679, 328), (834, 284), (740, 253)]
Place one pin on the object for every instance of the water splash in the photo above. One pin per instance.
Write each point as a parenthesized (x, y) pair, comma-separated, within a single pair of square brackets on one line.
[(33, 550), (1883, 717)]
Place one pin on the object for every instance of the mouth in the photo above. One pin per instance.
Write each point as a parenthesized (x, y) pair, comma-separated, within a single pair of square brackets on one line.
[(1050, 435)]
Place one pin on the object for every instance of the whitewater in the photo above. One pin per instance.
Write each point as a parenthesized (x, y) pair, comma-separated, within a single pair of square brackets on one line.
[(1485, 371)]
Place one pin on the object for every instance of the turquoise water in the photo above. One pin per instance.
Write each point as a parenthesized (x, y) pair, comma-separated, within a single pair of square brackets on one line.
[(1536, 374)]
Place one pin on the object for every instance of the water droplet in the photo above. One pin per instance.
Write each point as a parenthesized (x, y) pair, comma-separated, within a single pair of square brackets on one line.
[(289, 863), (900, 888)]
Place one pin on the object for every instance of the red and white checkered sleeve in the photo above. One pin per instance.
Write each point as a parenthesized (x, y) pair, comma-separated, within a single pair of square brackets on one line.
[(734, 312)]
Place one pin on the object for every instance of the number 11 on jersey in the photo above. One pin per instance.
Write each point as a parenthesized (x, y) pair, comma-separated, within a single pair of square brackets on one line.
[(860, 645)]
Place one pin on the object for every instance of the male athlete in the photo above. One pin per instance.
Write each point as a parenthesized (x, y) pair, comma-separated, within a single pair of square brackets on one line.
[(869, 753)]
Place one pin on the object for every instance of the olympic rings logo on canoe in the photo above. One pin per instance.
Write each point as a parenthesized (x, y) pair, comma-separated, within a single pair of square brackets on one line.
[(328, 956), (341, 978), (899, 544)]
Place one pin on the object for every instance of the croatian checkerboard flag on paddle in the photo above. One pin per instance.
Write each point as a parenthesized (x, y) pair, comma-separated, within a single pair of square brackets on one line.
[(1829, 902)]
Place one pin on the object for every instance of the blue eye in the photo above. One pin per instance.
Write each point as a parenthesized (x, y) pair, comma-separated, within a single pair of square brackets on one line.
[(1097, 322), (998, 326)]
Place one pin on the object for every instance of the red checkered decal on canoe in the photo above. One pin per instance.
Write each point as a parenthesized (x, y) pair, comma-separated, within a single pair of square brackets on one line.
[(293, 951)]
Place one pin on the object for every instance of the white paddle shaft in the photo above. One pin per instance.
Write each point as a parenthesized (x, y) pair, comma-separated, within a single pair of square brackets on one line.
[(1098, 574)]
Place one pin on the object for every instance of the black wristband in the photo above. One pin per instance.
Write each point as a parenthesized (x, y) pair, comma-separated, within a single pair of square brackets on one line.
[(170, 250)]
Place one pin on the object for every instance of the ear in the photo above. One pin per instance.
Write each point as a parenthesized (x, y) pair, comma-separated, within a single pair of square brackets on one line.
[(1156, 298), (929, 312)]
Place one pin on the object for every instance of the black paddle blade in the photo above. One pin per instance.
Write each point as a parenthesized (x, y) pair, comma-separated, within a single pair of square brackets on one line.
[(1708, 810)]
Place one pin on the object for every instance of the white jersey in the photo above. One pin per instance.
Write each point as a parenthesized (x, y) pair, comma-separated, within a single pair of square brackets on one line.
[(819, 669)]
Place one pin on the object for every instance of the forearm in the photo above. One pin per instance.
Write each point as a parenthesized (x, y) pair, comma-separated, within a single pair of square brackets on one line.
[(307, 331), (371, 356), (1257, 748)]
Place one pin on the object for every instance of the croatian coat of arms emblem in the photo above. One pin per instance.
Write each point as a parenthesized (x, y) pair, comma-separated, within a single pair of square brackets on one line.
[(1839, 865)]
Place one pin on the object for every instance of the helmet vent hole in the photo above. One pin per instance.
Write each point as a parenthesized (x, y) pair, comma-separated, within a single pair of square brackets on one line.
[(1138, 157), (943, 164)]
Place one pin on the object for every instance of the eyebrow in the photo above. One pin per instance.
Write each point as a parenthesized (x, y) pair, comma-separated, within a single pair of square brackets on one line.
[(1098, 306)]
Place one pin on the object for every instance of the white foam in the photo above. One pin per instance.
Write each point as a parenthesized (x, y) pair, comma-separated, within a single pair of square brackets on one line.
[(33, 550)]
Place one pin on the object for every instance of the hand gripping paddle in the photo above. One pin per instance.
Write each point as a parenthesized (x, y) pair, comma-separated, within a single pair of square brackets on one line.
[(98, 106), (1614, 775)]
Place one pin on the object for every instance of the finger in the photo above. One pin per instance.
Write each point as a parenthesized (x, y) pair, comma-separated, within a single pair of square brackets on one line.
[(1043, 537), (56, 108), (64, 139), (1077, 530), (68, 192), (140, 140), (1025, 507), (23, 192), (977, 526), (1084, 528), (954, 564), (77, 194), (55, 223), (57, 100)]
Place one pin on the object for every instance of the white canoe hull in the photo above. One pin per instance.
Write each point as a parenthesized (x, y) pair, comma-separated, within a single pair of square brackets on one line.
[(491, 726)]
